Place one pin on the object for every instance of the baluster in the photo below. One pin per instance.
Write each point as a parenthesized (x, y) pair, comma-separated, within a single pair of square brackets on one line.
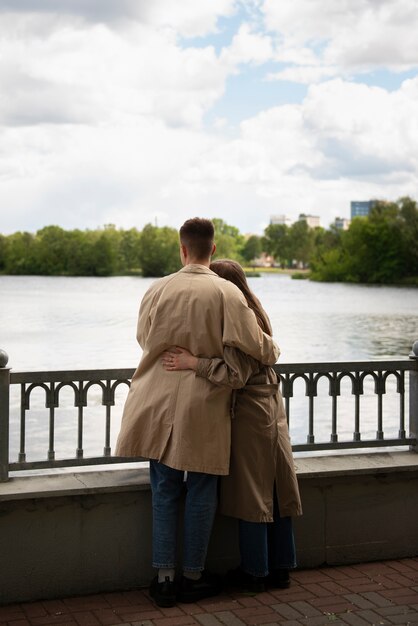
[(51, 403), (24, 405), (106, 449), (108, 402), (379, 389), (334, 434), (311, 391), (4, 416), (356, 390), (80, 452), (333, 391), (413, 398), (401, 391), (357, 434), (79, 403)]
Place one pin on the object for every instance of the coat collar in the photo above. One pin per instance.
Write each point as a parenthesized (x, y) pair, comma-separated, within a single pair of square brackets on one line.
[(196, 268)]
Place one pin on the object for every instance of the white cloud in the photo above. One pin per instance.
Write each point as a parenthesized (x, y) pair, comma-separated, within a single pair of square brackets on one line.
[(102, 120), (96, 75), (305, 74), (352, 35), (188, 18), (247, 46)]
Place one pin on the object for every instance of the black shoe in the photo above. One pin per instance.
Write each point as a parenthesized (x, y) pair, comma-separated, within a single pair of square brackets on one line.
[(164, 594), (279, 578), (238, 579), (206, 586)]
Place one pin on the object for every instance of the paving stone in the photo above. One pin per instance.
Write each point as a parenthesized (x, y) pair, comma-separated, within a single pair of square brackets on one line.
[(107, 617), (287, 611), (354, 620), (286, 595), (252, 600), (408, 618), (373, 617), (265, 598), (256, 620), (362, 587), (310, 576), (11, 612), (359, 601), (334, 588), (252, 611), (206, 619), (181, 620), (323, 620), (332, 605), (86, 618), (229, 619), (136, 616), (317, 589), (211, 606), (306, 609), (377, 599)]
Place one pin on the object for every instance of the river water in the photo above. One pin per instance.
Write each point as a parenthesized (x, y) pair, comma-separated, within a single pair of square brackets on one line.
[(81, 322)]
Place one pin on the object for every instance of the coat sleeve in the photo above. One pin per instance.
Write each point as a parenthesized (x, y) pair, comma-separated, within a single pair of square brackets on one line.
[(232, 371), (241, 329), (145, 317)]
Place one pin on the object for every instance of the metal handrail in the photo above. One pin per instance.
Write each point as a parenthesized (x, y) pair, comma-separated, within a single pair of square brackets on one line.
[(108, 380)]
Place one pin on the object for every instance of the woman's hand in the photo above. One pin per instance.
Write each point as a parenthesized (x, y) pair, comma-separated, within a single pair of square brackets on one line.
[(176, 358)]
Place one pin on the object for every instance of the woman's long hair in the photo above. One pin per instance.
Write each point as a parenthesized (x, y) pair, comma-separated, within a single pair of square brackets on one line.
[(232, 271)]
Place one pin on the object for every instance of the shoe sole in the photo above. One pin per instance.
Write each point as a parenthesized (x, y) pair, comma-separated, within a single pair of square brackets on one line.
[(195, 596), (164, 603)]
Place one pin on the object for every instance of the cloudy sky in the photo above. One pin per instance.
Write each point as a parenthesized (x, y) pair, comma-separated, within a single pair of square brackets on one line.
[(136, 111)]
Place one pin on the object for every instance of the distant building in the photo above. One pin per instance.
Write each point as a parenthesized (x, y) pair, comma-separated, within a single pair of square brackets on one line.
[(264, 260), (311, 220), (280, 219), (342, 223), (361, 208)]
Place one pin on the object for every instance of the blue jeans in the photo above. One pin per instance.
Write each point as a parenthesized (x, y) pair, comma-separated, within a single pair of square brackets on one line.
[(265, 547), (167, 486)]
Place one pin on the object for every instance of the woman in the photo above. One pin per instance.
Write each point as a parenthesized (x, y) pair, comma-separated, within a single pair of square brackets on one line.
[(261, 489)]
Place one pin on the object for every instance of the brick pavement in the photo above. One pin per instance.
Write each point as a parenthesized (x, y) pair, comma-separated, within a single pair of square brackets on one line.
[(357, 595)]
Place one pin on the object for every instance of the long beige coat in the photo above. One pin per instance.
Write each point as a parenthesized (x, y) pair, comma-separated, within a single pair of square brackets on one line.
[(261, 450), (175, 417)]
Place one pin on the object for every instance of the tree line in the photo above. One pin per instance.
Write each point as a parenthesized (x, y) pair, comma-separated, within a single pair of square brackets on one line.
[(380, 248)]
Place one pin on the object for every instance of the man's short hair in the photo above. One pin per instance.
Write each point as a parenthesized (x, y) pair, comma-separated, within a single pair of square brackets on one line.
[(197, 235)]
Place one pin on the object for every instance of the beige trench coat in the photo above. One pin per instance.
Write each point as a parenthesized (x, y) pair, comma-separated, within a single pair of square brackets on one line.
[(261, 452), (175, 417)]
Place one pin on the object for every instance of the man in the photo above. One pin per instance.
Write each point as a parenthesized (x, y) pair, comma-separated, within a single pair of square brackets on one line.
[(182, 422)]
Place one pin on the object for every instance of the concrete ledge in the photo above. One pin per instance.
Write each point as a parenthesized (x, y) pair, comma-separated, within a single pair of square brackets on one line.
[(86, 532), (74, 484), (356, 464), (119, 480)]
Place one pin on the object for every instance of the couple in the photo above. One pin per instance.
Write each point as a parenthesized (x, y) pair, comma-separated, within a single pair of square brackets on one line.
[(203, 337)]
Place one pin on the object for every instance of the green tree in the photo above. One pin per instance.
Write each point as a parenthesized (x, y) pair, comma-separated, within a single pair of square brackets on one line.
[(229, 241), (51, 251), (252, 248), (20, 257), (276, 241), (129, 249), (103, 256), (3, 252), (159, 251), (301, 242), (408, 211), (371, 251)]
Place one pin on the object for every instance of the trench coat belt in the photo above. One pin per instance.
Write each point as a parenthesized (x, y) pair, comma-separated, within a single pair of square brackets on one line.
[(265, 389)]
